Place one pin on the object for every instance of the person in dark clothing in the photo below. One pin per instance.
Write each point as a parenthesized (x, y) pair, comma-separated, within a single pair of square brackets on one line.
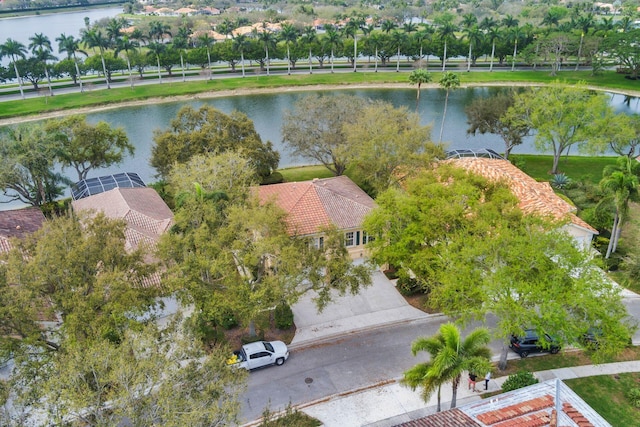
[(472, 381)]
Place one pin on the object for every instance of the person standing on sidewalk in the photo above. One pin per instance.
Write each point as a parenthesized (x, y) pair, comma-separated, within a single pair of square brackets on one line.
[(472, 381), (487, 378)]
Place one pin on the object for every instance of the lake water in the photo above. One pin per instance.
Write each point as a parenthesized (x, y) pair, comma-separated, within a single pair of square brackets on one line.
[(266, 112), (51, 25)]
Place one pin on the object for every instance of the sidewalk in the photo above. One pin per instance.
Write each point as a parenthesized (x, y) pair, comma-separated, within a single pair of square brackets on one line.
[(387, 405)]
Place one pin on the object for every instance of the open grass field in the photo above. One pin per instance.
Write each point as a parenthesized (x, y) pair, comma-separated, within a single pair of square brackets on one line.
[(576, 168), (608, 80)]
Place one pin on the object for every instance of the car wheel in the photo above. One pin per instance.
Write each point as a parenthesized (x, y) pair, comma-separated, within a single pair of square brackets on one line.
[(524, 354), (280, 361), (554, 350)]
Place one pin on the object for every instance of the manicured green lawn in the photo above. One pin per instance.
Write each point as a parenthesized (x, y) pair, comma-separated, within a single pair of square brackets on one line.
[(606, 395), (607, 80), (575, 167), (305, 173)]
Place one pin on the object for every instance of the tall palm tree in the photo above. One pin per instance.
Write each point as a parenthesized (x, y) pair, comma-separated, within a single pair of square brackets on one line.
[(584, 23), (447, 31), (71, 46), (309, 36), (492, 34), (14, 50), (156, 49), (157, 31), (469, 20), (375, 41), (621, 182), (206, 41), (418, 77), (474, 36), (268, 40), (181, 42), (139, 36), (424, 33), (388, 26), (514, 34), (332, 38), (351, 30), (289, 34), (41, 47), (509, 21), (95, 39), (450, 357), (409, 28), (114, 30), (448, 82), (398, 39), (127, 45), (241, 43)]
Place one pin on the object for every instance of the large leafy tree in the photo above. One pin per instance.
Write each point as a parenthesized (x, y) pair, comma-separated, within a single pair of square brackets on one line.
[(85, 146), (562, 116), (388, 144), (488, 115), (450, 356), (480, 255), (623, 47), (316, 128), (208, 130), (27, 160), (234, 254)]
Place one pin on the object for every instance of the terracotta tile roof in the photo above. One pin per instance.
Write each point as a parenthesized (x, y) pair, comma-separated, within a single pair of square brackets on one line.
[(533, 406), (535, 197), (319, 203), (146, 214), (19, 223)]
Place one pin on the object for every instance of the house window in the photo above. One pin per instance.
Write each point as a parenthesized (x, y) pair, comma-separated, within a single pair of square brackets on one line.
[(350, 239), (366, 238), (316, 242)]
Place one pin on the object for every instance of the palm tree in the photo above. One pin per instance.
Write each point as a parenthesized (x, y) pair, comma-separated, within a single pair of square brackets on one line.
[(41, 47), (138, 36), (157, 49), (469, 20), (515, 33), (398, 39), (584, 22), (418, 77), (448, 82), (493, 34), (308, 37), (351, 30), (474, 36), (206, 41), (388, 26), (70, 45), (509, 21), (289, 34), (157, 31), (241, 43), (375, 41), (95, 39), (114, 30), (14, 50), (446, 32), (621, 181), (181, 42), (409, 27), (450, 357), (127, 45), (267, 39), (423, 33), (332, 38)]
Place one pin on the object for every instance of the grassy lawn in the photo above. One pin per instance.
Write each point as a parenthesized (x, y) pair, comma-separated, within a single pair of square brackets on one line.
[(305, 173), (606, 395), (576, 168), (607, 80)]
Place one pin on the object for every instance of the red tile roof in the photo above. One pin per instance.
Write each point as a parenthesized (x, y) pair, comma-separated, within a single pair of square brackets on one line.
[(533, 406), (535, 197), (19, 223), (311, 205)]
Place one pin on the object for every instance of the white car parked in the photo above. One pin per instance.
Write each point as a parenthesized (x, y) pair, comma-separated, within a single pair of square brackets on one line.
[(258, 354)]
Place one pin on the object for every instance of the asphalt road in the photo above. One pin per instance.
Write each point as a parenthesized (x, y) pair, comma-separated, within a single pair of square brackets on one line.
[(352, 362)]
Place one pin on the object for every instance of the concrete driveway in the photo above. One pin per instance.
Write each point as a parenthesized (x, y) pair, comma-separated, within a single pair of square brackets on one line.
[(377, 305)]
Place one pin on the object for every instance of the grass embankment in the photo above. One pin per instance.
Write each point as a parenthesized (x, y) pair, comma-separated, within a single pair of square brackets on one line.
[(607, 80)]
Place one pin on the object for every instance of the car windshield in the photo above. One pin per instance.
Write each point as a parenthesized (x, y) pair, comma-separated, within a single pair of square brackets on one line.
[(268, 346)]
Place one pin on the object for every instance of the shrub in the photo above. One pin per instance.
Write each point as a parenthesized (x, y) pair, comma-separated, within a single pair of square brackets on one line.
[(408, 286), (633, 394), (283, 316), (560, 181), (519, 380), (228, 320), (274, 178)]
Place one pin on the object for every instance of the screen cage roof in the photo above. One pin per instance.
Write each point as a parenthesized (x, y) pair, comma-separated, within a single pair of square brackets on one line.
[(486, 153), (90, 186)]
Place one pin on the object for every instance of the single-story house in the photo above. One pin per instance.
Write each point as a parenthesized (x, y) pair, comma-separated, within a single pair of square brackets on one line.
[(18, 223), (550, 403), (535, 197), (312, 205)]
